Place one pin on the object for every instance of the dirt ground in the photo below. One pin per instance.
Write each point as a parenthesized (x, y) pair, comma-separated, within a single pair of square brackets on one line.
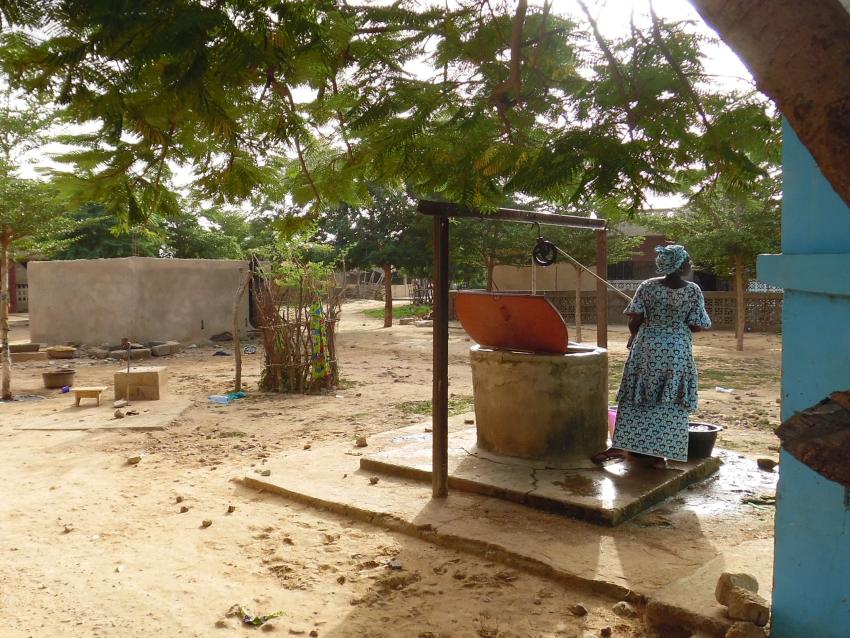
[(92, 546)]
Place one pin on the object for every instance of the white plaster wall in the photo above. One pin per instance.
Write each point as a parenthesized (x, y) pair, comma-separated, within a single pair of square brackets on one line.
[(99, 301)]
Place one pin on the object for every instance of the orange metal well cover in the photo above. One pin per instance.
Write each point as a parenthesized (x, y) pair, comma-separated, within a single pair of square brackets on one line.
[(512, 321)]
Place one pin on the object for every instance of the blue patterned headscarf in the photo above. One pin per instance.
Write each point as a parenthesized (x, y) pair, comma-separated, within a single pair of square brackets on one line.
[(668, 259)]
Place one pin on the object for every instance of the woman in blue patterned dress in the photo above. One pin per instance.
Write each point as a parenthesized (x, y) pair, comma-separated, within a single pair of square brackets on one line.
[(659, 386)]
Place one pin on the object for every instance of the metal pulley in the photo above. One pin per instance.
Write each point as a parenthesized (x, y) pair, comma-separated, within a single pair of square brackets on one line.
[(544, 252)]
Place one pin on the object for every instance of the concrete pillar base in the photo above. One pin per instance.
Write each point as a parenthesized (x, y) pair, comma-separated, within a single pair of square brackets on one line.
[(536, 406)]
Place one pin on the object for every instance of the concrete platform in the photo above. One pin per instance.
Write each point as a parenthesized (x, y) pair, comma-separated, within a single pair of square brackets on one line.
[(648, 558), (578, 488)]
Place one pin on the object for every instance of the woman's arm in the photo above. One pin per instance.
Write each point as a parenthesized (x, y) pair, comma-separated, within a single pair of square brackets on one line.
[(635, 322)]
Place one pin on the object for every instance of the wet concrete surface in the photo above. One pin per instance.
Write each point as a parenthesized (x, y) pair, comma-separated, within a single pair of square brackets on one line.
[(606, 495)]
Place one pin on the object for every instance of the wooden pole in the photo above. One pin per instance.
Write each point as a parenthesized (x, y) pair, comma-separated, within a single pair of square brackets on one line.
[(237, 346), (5, 356), (446, 209), (601, 288), (440, 395)]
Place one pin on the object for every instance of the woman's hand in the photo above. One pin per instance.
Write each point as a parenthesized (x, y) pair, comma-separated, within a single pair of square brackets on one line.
[(630, 342)]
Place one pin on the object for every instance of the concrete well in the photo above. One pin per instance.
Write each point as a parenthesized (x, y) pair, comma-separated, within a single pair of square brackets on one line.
[(536, 406)]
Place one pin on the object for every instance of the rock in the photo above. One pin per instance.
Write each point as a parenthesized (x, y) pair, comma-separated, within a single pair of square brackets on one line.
[(578, 609), (118, 414), (135, 353), (361, 442), (314, 633), (206, 522), (745, 630), (67, 529), (746, 605), (184, 509), (307, 446), (268, 626), (178, 499), (341, 580), (624, 610), (728, 580), (134, 460), (373, 480), (164, 349), (766, 464), (424, 323), (231, 509), (605, 632), (406, 321), (99, 353), (469, 421), (222, 336), (222, 624), (120, 403), (119, 569), (265, 473)]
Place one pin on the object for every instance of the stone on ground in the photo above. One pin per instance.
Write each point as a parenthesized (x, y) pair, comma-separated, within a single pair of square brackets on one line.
[(727, 581), (746, 605), (745, 630)]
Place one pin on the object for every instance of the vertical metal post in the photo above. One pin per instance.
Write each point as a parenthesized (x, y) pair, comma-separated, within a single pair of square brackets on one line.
[(440, 396), (601, 288)]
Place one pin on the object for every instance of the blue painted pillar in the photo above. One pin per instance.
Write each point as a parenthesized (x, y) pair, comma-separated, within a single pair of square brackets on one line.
[(811, 589)]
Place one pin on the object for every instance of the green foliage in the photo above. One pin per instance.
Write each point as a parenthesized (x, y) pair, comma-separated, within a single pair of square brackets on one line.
[(30, 218), (721, 227), (315, 100), (399, 311), (385, 231), (734, 217), (185, 238), (97, 235)]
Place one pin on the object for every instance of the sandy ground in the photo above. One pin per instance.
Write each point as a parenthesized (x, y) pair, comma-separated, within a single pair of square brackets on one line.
[(92, 546)]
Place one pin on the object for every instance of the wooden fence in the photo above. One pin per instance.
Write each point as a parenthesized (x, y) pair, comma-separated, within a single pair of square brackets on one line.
[(764, 309)]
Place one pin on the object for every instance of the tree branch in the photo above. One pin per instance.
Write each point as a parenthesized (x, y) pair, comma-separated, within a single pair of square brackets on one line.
[(677, 68), (283, 91), (500, 95), (614, 66)]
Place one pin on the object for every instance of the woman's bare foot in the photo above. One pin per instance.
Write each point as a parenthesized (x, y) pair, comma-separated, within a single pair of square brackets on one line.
[(607, 456)]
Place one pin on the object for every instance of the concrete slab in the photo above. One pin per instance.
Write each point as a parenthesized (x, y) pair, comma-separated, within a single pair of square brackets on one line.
[(634, 561), (151, 416), (20, 357), (578, 488), (689, 602)]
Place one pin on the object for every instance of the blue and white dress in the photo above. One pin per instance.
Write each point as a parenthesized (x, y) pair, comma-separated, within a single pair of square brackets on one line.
[(659, 386)]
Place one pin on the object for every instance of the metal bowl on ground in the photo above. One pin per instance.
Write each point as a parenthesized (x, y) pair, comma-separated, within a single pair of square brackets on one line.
[(701, 439), (58, 378)]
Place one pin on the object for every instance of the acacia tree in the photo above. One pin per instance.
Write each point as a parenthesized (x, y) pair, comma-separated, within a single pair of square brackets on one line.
[(28, 212), (725, 232), (386, 233), (212, 86)]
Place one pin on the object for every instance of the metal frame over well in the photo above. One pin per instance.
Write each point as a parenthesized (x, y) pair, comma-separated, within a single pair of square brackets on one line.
[(441, 212)]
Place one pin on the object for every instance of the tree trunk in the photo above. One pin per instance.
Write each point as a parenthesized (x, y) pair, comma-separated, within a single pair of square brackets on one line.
[(5, 356), (491, 265), (237, 347), (798, 53), (577, 336), (388, 295), (740, 309)]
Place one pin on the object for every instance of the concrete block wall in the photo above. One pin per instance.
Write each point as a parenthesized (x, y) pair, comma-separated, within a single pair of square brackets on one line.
[(99, 301)]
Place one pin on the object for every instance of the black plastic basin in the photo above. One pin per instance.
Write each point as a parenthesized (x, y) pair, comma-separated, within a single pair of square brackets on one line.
[(701, 439)]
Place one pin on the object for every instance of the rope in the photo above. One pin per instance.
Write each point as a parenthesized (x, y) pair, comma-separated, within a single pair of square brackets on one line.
[(589, 271), (533, 277)]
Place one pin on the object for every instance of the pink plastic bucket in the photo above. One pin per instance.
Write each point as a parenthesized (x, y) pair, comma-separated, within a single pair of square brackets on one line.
[(612, 419)]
